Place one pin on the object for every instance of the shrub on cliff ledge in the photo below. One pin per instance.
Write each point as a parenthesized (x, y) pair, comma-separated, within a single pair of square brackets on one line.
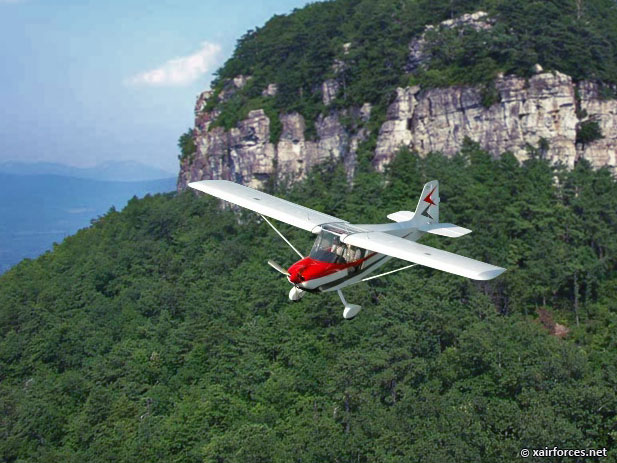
[(186, 143), (588, 131)]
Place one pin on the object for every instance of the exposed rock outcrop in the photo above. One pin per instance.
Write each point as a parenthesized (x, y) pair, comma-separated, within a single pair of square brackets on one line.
[(270, 90), (329, 89), (602, 152), (232, 86), (246, 155), (418, 55), (544, 106)]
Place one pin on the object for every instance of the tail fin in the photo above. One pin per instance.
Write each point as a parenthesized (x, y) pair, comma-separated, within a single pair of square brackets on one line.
[(427, 211), (426, 217)]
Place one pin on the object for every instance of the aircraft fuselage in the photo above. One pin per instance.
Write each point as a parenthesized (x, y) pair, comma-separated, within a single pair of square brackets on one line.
[(332, 265)]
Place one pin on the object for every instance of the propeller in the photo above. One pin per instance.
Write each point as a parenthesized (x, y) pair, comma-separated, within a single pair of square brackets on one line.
[(278, 268), (273, 264)]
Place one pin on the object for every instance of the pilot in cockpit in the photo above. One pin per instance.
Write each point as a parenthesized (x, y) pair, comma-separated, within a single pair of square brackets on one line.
[(346, 253)]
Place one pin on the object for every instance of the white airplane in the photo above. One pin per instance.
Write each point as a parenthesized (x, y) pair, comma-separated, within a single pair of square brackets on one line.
[(345, 254)]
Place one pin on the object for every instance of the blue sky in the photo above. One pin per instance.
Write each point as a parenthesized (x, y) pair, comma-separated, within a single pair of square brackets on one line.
[(84, 81)]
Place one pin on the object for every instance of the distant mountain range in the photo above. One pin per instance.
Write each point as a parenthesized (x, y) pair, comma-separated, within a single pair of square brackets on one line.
[(120, 171), (38, 210)]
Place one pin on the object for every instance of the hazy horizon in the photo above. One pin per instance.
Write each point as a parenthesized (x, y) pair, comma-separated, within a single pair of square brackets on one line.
[(38, 210), (106, 170)]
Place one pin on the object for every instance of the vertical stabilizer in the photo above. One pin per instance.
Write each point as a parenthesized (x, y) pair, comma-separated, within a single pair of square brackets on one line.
[(427, 211)]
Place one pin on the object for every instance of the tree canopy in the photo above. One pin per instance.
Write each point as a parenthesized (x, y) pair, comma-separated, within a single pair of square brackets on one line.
[(160, 334)]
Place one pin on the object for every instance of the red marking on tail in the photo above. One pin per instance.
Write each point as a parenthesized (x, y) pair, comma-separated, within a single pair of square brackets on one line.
[(428, 198)]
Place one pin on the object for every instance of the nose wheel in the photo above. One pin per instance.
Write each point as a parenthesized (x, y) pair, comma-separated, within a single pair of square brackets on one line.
[(295, 294), (351, 310)]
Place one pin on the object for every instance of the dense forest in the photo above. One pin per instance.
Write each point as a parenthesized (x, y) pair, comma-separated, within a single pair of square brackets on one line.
[(160, 334), (298, 51)]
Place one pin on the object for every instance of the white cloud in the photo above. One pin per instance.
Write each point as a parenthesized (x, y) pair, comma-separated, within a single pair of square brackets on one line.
[(181, 71)]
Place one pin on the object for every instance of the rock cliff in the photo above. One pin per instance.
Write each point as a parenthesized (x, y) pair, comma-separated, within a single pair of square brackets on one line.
[(246, 155), (547, 106)]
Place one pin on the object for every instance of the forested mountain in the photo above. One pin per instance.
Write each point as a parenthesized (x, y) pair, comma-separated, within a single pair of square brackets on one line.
[(160, 334), (576, 37), (335, 79)]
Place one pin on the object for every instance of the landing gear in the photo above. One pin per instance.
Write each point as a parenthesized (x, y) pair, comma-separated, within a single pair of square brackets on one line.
[(351, 310), (295, 294)]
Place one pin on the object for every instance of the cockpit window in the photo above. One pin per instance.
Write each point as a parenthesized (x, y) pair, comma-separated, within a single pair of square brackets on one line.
[(329, 248)]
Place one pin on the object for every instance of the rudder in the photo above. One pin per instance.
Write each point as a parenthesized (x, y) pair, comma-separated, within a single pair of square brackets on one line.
[(427, 210)]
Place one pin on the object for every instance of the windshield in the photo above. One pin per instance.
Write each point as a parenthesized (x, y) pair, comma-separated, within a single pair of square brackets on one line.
[(328, 248)]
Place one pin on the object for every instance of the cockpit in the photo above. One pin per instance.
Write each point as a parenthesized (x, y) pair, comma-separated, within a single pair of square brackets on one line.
[(329, 248)]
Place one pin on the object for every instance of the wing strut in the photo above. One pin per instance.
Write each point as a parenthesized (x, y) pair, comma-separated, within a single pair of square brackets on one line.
[(388, 273), (281, 235)]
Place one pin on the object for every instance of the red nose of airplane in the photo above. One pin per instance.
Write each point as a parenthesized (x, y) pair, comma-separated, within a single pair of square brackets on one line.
[(296, 271), (295, 274)]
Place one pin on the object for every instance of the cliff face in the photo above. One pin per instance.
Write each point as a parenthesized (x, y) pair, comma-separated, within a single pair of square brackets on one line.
[(545, 110), (246, 155), (547, 105), (544, 106)]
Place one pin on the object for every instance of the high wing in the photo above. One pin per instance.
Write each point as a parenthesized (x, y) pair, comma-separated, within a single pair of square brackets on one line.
[(265, 204), (401, 248)]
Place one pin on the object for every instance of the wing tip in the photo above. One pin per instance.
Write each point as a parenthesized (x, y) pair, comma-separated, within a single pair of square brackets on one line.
[(199, 186), (207, 186), (489, 274)]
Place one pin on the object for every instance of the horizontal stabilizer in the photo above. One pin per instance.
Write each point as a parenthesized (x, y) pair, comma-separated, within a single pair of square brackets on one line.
[(444, 229), (401, 216)]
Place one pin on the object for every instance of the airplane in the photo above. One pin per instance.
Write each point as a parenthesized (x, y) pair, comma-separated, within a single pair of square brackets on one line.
[(345, 254)]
